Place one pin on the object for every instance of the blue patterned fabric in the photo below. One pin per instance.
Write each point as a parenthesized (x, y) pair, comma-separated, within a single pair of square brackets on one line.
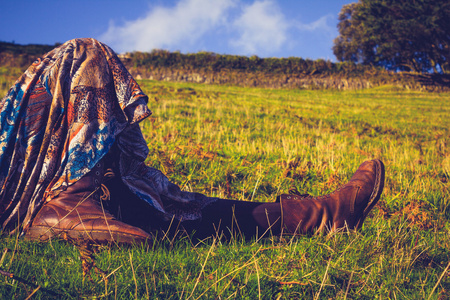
[(61, 117)]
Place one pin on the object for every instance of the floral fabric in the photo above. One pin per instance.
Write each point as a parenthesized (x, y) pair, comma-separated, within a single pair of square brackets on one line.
[(61, 117)]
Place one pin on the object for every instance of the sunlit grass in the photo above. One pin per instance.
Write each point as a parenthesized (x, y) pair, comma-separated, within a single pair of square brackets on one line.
[(253, 144)]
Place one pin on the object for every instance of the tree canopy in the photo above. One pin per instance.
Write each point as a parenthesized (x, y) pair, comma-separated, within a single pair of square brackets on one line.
[(396, 34)]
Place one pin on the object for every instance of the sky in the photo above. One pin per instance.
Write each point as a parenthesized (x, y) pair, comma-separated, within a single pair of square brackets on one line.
[(266, 28)]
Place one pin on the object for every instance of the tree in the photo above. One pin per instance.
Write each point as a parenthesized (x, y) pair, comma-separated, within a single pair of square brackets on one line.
[(396, 34)]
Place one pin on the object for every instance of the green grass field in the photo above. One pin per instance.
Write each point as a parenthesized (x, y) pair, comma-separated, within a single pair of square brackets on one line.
[(253, 144)]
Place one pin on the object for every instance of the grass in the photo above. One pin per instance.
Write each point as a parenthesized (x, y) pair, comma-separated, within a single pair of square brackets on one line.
[(253, 144)]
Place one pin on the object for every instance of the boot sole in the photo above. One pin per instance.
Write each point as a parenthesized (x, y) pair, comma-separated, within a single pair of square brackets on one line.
[(376, 193), (43, 234)]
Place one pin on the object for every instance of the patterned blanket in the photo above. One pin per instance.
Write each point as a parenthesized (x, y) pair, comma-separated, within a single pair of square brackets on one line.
[(61, 117)]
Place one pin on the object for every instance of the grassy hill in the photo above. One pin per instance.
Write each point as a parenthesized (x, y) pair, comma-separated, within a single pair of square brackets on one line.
[(253, 144)]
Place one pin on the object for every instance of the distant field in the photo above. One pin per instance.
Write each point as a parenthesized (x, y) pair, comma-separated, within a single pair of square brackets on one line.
[(253, 144)]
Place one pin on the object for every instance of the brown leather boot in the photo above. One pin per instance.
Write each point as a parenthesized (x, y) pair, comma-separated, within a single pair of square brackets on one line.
[(347, 207), (77, 214)]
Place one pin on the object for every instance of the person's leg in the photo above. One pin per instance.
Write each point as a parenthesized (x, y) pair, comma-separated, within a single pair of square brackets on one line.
[(345, 208)]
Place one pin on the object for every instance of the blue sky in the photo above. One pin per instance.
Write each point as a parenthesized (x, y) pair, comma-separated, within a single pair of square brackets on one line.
[(266, 28)]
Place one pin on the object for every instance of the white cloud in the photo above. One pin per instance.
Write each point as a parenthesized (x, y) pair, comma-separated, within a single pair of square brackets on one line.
[(166, 27), (243, 27), (262, 28)]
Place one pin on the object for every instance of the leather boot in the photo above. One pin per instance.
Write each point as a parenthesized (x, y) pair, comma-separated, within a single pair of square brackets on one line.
[(347, 207), (77, 214)]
